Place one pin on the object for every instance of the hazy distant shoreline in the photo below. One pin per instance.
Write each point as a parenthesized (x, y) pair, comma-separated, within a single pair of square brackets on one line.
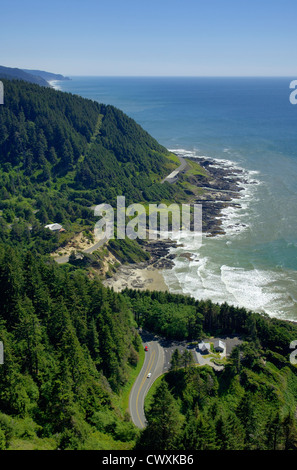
[(54, 84)]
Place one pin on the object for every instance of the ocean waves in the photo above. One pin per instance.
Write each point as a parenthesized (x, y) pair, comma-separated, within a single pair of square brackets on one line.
[(225, 268), (234, 217), (254, 263), (263, 291)]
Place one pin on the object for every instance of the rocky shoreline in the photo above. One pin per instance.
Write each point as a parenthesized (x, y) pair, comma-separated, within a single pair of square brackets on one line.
[(221, 189)]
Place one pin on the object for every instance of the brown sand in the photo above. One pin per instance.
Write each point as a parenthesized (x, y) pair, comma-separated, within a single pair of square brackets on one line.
[(147, 278)]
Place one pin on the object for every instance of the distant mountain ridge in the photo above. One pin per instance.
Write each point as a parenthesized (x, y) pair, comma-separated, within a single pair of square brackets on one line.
[(38, 77), (48, 76), (17, 74)]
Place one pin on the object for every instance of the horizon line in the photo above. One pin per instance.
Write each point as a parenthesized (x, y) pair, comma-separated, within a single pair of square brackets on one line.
[(179, 76)]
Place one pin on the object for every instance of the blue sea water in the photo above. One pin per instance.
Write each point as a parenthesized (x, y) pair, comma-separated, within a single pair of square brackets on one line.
[(248, 123)]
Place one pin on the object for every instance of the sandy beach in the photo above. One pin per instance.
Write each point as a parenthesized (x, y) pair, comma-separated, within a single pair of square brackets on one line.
[(142, 278), (222, 187)]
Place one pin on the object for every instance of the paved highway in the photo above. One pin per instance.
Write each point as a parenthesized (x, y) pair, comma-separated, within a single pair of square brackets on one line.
[(157, 362), (153, 364), (174, 174)]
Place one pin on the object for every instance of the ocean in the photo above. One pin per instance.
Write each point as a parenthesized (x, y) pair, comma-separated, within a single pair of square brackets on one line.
[(246, 123)]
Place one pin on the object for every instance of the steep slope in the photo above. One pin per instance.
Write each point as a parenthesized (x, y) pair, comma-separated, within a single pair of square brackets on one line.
[(61, 154), (70, 347)]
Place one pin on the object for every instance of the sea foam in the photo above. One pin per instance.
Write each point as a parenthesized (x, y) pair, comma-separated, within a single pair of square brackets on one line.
[(206, 275)]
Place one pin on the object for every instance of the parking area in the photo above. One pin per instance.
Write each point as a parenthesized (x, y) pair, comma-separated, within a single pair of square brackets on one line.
[(223, 347), (200, 357)]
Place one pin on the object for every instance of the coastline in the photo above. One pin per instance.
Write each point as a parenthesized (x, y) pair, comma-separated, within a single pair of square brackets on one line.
[(224, 220), (221, 191), (54, 84), (145, 275)]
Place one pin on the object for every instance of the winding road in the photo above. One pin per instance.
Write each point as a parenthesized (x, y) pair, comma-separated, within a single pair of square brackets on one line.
[(174, 174), (153, 364), (65, 259), (156, 363)]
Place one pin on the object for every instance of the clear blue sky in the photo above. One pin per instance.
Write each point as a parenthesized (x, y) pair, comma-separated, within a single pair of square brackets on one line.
[(151, 37)]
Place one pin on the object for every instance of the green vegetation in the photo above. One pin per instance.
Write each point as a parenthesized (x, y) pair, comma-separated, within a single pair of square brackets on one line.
[(71, 346), (127, 251), (27, 75), (193, 178), (250, 405), (72, 353), (195, 169), (60, 155), (250, 409)]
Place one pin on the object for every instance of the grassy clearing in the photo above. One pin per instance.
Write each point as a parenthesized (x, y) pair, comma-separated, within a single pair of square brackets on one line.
[(174, 158), (33, 444), (150, 394), (123, 398), (195, 169), (192, 188)]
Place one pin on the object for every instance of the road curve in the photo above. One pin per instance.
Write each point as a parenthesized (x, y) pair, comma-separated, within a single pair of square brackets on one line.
[(65, 259), (153, 363), (174, 174)]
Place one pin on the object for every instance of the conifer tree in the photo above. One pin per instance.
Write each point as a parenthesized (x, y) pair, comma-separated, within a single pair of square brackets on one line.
[(163, 422)]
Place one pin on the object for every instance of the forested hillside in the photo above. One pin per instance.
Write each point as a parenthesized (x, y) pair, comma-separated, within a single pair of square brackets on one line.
[(250, 405), (61, 154), (10, 73), (48, 76), (71, 346)]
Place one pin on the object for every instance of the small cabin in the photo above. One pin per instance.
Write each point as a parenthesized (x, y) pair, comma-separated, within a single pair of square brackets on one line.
[(204, 347), (55, 227), (219, 346)]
